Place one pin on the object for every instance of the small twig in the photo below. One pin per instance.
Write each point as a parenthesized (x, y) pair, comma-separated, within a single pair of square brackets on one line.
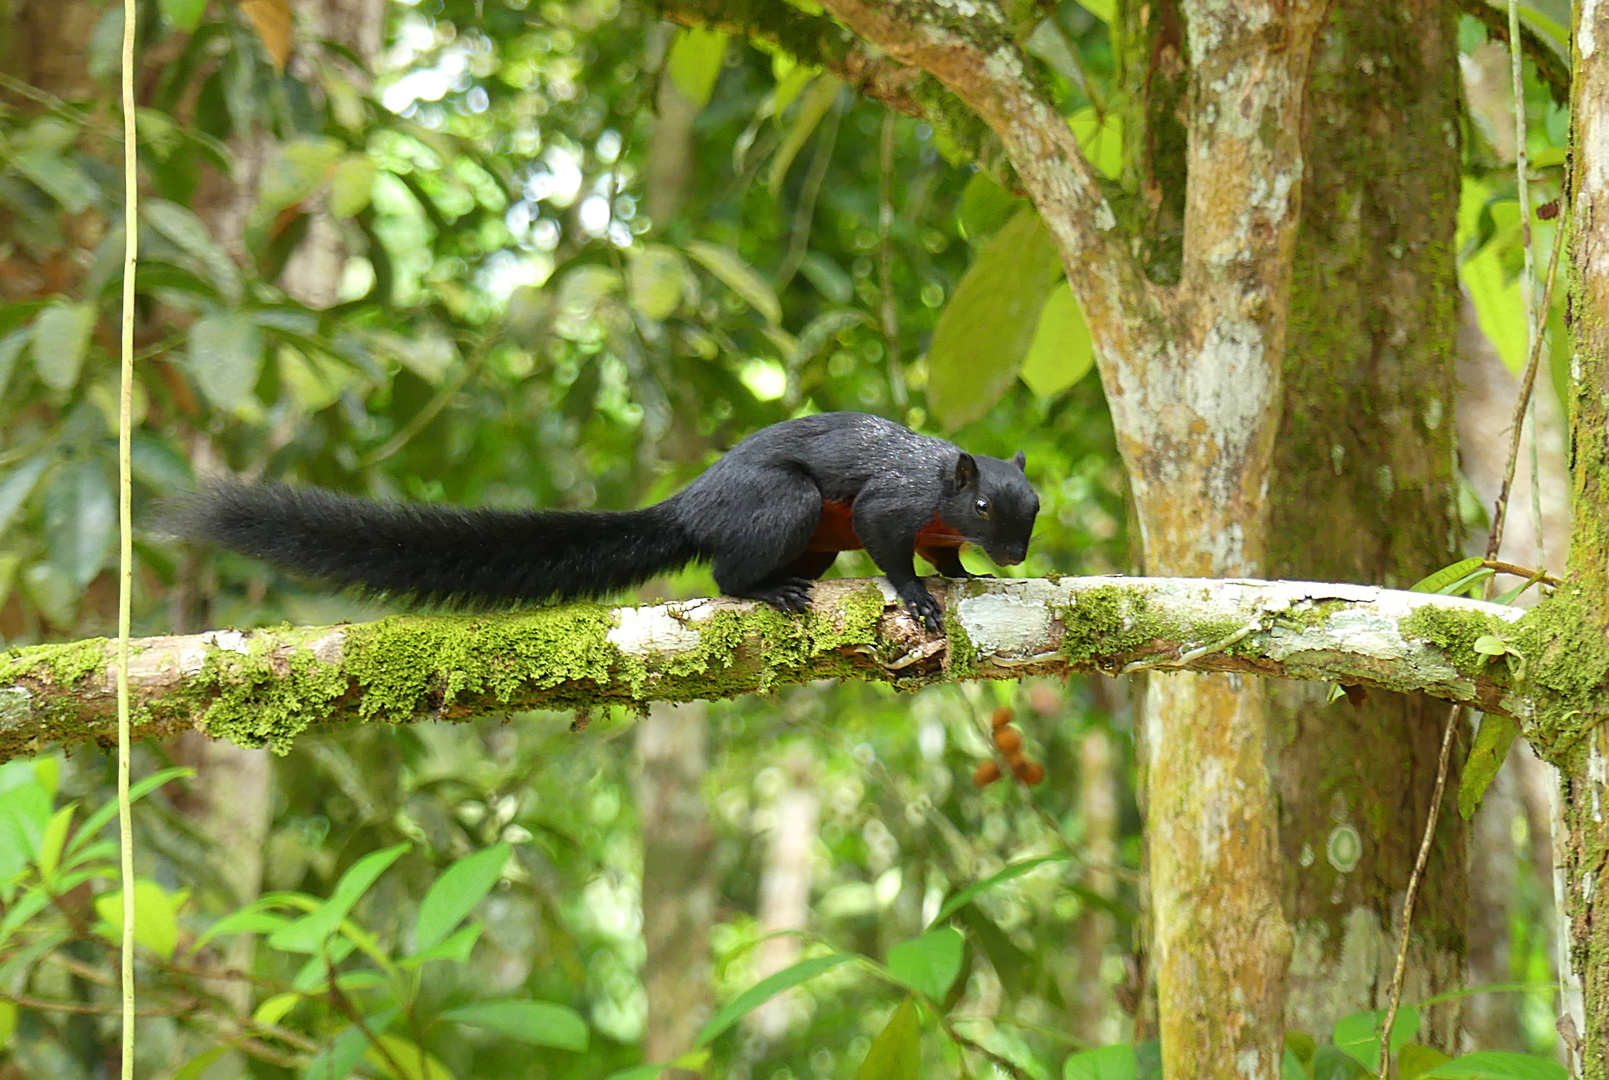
[(1522, 571), (889, 313), (1394, 995), (804, 213), (1192, 655), (79, 1008), (421, 419), (1003, 1063), (1495, 537), (344, 1005)]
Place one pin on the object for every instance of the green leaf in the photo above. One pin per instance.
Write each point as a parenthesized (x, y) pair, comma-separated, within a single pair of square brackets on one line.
[(1062, 351), (817, 100), (1101, 1063), (17, 485), (1447, 575), (59, 178), (1358, 1035), (1330, 1063), (738, 276), (1499, 308), (50, 844), (276, 1008), (538, 1022), (196, 1066), (971, 892), (337, 1060), (351, 184), (896, 1053), (695, 61), (1497, 1065), (1104, 10), (1291, 1067), (455, 946), (180, 225), (454, 895), (11, 346), (60, 341), (1415, 1060), (1490, 645), (1101, 139), (80, 519), (156, 916), (930, 963), (656, 280), (185, 15), (410, 1058), (985, 206), (226, 356), (821, 330), (97, 821), (692, 1061), (8, 1023), (24, 814), (307, 934), (765, 990), (985, 330)]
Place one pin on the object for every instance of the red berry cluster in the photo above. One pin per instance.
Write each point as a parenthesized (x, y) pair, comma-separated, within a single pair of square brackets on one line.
[(1009, 740)]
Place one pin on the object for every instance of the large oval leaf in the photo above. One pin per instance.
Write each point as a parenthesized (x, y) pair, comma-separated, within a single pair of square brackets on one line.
[(896, 1053), (60, 340), (454, 895), (985, 330), (1062, 351), (1102, 1063), (226, 356), (538, 1022), (695, 61), (80, 519), (1497, 1065), (930, 963), (765, 990), (16, 485), (738, 276)]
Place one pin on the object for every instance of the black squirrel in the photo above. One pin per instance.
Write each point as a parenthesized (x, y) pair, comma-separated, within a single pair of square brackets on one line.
[(771, 516)]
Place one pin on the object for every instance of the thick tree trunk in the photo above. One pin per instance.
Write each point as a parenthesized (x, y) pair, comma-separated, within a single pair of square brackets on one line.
[(1366, 443)]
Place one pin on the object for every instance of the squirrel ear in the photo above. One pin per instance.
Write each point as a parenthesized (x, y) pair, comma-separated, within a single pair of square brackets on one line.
[(1020, 460), (966, 471)]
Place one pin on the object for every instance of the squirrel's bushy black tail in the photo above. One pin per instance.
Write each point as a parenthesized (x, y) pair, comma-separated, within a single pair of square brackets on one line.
[(434, 554)]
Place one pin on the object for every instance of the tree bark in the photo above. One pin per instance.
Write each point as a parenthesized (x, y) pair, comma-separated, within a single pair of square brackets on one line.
[(267, 686), (1366, 443), (1583, 848)]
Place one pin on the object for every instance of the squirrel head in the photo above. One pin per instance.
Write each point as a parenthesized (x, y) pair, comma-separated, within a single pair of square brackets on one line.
[(991, 504)]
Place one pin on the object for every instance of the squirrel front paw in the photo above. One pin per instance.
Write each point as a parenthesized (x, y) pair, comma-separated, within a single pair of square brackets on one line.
[(920, 603)]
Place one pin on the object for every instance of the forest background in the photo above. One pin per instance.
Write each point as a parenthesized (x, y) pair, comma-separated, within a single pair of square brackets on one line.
[(565, 254)]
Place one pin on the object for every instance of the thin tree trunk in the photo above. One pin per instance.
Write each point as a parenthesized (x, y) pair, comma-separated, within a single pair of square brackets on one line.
[(678, 881), (1583, 843), (785, 885), (1098, 809)]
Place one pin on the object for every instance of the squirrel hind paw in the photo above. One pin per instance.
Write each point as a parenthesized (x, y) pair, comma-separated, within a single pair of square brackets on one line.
[(788, 594)]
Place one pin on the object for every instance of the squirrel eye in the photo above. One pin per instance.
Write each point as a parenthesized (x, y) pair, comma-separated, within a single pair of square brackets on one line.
[(982, 507)]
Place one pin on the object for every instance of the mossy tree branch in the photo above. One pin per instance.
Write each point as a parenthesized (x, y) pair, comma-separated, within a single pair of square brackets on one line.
[(265, 687)]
